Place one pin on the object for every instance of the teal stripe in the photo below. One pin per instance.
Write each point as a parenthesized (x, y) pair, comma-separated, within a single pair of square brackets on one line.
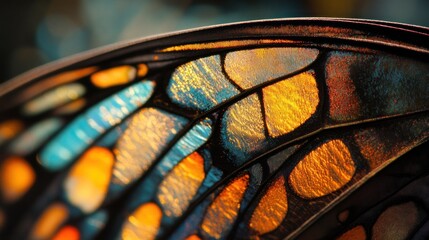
[(194, 139), (83, 131), (92, 225), (190, 142)]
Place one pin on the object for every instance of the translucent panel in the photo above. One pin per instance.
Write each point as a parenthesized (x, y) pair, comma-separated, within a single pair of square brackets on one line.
[(35, 136), (149, 132), (9, 129), (362, 86), (181, 184), (49, 221), (16, 178), (289, 103), (249, 68), (243, 129), (143, 223), (191, 141), (322, 171), (222, 213), (88, 180), (113, 76), (186, 145), (67, 233), (271, 209), (83, 130), (200, 84), (54, 98)]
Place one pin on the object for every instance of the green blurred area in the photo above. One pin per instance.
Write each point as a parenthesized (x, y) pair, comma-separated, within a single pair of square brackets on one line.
[(37, 32)]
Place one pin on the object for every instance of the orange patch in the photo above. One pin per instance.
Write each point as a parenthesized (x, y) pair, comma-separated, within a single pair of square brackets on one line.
[(143, 223), (16, 178), (271, 209), (222, 213), (322, 171), (67, 233)]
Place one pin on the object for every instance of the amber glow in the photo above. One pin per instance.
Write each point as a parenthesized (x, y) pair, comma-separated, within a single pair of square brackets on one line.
[(249, 68), (143, 223), (113, 76), (244, 126), (193, 237), (9, 129), (356, 233), (223, 44), (16, 177), (142, 70), (271, 209), (147, 133), (222, 213), (49, 221), (179, 187), (87, 182), (289, 103), (324, 170), (67, 233)]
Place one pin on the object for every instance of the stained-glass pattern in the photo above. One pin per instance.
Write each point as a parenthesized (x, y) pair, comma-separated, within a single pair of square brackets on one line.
[(221, 214), (269, 130), (249, 68), (83, 131), (180, 186), (200, 84)]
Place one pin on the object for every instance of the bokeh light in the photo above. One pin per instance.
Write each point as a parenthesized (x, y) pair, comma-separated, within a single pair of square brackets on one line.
[(37, 32)]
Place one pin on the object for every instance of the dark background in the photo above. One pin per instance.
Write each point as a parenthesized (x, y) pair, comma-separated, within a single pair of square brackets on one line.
[(37, 32)]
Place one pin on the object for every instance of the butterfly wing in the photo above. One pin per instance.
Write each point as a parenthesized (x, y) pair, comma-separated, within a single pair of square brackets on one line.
[(249, 130)]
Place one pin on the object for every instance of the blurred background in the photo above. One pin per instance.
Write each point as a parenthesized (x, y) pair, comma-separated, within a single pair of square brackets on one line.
[(37, 32)]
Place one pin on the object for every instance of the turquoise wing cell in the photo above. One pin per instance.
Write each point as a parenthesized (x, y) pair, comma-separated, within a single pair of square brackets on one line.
[(306, 129)]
